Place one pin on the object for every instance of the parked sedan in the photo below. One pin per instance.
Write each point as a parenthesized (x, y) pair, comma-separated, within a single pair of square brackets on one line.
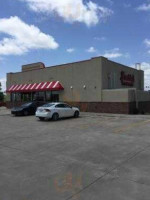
[(55, 111), (25, 109)]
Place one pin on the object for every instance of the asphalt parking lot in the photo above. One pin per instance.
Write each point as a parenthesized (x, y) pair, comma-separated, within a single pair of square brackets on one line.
[(94, 157)]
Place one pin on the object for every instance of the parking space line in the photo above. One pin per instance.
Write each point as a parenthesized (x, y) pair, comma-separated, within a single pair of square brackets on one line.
[(130, 126)]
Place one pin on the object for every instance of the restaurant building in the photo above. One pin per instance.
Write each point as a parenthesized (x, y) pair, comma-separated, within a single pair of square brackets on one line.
[(95, 85)]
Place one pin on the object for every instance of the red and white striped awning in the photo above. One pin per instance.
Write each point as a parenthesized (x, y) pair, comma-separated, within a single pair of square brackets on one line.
[(36, 87)]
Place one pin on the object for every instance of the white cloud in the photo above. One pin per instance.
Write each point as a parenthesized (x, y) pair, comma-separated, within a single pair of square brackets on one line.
[(71, 11), (144, 7), (3, 82), (91, 50), (114, 53), (23, 37), (147, 42), (70, 50)]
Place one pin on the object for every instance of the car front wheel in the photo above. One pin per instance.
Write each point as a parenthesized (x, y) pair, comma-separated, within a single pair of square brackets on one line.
[(76, 114), (55, 117)]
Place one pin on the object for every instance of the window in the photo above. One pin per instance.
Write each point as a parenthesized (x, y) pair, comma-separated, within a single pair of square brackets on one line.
[(60, 106), (39, 96), (48, 95), (48, 105), (67, 106), (55, 98), (15, 97)]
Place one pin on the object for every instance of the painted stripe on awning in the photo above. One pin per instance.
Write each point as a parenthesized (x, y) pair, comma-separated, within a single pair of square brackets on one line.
[(23, 86), (11, 87), (28, 87), (55, 84), (19, 87), (33, 86), (38, 86), (43, 86), (15, 88), (49, 85)]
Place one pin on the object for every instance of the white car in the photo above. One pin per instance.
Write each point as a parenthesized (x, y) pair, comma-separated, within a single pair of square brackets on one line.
[(55, 111)]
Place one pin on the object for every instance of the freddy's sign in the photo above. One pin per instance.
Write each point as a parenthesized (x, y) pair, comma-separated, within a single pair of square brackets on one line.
[(127, 79)]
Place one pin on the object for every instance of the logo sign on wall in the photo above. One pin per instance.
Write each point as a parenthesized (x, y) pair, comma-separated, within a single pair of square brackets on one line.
[(127, 79)]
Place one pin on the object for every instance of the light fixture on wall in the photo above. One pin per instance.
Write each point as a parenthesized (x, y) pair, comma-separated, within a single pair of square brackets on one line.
[(71, 87), (84, 87)]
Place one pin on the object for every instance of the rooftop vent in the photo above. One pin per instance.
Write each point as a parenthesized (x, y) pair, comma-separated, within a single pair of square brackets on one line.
[(138, 66)]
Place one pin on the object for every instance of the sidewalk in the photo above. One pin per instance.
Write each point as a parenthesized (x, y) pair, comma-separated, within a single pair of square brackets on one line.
[(91, 114), (4, 111)]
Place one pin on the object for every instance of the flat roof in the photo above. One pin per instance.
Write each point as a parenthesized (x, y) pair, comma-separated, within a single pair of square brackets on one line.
[(64, 64)]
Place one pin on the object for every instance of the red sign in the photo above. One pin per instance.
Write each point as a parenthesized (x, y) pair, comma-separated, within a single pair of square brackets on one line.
[(127, 79)]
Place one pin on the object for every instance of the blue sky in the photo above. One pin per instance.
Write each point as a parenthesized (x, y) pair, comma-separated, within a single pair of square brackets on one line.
[(62, 31)]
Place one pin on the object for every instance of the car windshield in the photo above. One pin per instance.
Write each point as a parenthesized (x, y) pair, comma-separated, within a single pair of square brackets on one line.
[(27, 104), (48, 105)]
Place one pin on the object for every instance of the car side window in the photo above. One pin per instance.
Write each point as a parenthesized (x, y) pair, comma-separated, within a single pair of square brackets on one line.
[(67, 106), (60, 106)]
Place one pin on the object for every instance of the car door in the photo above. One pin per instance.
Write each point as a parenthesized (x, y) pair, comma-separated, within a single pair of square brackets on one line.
[(60, 109), (68, 110)]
